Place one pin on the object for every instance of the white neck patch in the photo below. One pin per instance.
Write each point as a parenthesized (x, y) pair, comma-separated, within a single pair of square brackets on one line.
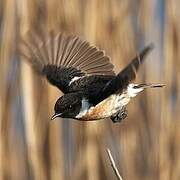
[(84, 108)]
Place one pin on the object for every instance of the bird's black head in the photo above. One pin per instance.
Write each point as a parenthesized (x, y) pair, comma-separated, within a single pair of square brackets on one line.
[(68, 106)]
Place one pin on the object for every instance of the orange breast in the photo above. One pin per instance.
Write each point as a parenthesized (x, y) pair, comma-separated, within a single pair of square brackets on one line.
[(106, 108), (100, 111)]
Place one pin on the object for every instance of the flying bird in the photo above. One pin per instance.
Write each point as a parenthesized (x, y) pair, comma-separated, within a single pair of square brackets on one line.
[(85, 75)]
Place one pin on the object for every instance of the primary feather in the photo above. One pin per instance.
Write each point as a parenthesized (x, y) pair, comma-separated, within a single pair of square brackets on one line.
[(61, 58), (67, 51)]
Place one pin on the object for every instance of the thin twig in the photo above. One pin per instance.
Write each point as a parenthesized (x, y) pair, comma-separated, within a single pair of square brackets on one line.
[(113, 165)]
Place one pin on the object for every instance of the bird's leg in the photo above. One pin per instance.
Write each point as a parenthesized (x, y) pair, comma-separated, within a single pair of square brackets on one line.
[(120, 115)]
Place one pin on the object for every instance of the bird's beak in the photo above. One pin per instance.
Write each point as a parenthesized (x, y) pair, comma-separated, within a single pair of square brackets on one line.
[(56, 115)]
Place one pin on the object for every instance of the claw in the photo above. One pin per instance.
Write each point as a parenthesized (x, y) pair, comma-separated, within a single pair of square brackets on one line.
[(119, 116)]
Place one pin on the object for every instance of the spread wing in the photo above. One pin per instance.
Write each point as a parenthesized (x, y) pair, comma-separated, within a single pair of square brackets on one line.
[(128, 74), (61, 58)]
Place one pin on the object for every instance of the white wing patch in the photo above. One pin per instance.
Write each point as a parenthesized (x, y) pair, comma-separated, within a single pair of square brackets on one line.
[(74, 79), (84, 108)]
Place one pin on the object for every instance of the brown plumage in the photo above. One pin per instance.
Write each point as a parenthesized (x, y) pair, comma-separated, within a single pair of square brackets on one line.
[(66, 51)]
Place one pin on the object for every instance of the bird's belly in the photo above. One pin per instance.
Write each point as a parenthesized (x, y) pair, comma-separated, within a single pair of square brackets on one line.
[(107, 107)]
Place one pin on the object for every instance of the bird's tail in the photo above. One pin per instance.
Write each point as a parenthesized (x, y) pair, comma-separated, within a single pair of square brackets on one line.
[(145, 86), (134, 89)]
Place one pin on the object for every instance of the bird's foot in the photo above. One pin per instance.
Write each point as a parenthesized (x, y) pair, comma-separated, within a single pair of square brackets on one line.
[(119, 116)]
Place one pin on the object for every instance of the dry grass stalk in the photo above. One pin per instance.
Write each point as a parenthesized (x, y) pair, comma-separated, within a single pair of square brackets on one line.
[(33, 135), (113, 164), (7, 49)]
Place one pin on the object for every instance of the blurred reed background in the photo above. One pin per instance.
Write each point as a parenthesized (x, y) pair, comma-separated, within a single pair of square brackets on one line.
[(145, 145)]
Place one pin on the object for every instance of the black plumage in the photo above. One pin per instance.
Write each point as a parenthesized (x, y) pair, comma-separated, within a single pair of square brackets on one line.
[(61, 76)]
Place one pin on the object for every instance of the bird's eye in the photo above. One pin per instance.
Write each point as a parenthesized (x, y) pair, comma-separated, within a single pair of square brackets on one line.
[(70, 106)]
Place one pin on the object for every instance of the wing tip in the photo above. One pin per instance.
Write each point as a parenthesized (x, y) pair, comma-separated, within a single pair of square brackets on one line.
[(143, 53), (151, 46)]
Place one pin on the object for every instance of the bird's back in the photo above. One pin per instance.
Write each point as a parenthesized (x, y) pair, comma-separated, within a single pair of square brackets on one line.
[(91, 86)]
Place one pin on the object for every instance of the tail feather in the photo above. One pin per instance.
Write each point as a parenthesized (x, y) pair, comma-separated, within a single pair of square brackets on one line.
[(134, 89), (144, 86)]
